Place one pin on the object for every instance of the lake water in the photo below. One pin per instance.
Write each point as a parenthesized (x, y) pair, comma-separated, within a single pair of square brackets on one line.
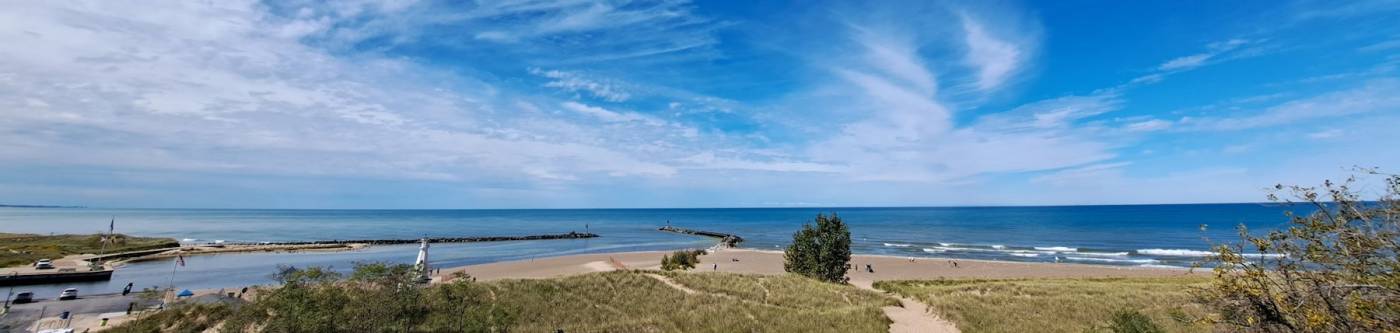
[(1133, 235)]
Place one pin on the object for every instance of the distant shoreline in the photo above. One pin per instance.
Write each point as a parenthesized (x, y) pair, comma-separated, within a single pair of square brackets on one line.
[(1264, 203), (37, 206)]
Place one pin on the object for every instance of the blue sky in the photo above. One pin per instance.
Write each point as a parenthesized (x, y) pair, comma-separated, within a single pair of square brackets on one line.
[(549, 104)]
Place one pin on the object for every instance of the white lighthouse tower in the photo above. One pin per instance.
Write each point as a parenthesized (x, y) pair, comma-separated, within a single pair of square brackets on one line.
[(422, 263)]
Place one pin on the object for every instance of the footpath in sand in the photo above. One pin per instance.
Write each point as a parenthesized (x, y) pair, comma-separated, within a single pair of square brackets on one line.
[(912, 316)]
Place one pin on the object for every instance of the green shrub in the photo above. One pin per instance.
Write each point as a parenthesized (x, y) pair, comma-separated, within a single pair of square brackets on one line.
[(681, 260), (1130, 321), (1333, 268), (822, 251)]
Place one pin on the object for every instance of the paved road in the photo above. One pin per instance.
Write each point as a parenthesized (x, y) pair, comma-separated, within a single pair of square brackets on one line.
[(21, 316)]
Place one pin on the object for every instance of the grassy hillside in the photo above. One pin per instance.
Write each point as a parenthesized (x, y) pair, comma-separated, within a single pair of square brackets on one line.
[(24, 249), (1056, 305), (600, 302)]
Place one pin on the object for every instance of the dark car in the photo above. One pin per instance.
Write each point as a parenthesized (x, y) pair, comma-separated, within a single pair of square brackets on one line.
[(23, 297)]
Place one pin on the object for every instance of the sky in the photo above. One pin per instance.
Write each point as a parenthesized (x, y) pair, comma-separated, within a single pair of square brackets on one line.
[(639, 104)]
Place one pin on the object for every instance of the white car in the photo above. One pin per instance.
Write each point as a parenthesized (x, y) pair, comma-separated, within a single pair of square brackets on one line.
[(43, 264), (67, 294)]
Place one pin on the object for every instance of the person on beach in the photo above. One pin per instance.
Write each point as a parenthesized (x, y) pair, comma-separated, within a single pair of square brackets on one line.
[(869, 269), (716, 266)]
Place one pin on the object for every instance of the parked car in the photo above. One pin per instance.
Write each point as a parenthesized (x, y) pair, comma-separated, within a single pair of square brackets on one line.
[(43, 264), (23, 297), (67, 294)]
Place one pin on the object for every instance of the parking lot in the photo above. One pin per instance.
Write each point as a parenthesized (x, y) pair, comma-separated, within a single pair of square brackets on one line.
[(46, 304)]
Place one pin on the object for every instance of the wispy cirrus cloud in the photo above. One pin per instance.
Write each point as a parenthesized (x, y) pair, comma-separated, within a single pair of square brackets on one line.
[(1373, 96), (235, 95), (995, 58), (906, 131), (578, 82)]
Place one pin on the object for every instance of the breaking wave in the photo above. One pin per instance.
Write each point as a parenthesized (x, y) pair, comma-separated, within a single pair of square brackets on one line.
[(897, 245), (1103, 254), (1132, 261), (1057, 248), (1174, 252)]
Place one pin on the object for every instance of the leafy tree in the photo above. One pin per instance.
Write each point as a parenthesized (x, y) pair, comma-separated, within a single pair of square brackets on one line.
[(1331, 270), (821, 251)]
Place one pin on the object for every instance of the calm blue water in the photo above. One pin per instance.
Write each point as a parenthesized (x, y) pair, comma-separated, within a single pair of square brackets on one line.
[(1113, 235)]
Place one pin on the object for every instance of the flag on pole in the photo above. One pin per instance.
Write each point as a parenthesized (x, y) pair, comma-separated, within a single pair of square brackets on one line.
[(180, 259)]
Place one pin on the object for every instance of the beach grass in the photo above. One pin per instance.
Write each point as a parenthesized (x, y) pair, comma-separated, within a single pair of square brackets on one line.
[(723, 302), (618, 301), (25, 249), (1057, 305)]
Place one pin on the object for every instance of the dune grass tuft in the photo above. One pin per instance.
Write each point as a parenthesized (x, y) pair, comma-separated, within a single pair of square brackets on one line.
[(723, 302), (1057, 305)]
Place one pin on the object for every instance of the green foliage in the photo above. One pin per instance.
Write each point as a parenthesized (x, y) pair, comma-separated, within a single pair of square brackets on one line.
[(375, 298), (1335, 269), (24, 249), (681, 260), (821, 251), (1057, 305), (1129, 321)]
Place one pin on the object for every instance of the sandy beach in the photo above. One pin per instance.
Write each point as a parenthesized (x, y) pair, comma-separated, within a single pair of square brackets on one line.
[(771, 262)]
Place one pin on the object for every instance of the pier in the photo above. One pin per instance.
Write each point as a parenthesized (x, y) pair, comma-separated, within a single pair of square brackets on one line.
[(570, 235), (730, 240)]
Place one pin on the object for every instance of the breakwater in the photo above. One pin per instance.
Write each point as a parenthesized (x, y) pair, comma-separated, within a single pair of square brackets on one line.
[(730, 240), (570, 235)]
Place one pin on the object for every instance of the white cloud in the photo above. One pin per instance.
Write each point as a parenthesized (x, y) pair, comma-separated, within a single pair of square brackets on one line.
[(897, 56), (708, 160), (1214, 50), (994, 58), (1186, 62), (1325, 134), (1055, 113), (1090, 173), (575, 82), (217, 88), (611, 116), (1373, 96), (1148, 125)]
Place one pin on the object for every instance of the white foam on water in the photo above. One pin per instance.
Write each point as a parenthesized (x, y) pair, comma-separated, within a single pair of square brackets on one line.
[(999, 247), (964, 249), (1057, 248), (945, 244), (1135, 261), (934, 250), (189, 240), (1103, 254), (897, 245), (1159, 266), (1027, 255), (1174, 252)]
